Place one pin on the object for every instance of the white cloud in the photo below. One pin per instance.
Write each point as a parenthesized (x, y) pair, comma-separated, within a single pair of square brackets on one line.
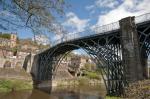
[(89, 7), (41, 39), (102, 4), (75, 22), (127, 8), (106, 3)]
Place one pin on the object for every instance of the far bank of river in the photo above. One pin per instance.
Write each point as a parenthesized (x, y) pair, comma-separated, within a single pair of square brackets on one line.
[(79, 81), (81, 92)]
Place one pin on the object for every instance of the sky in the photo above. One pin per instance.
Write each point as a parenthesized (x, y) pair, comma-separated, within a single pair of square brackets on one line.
[(82, 14), (88, 13)]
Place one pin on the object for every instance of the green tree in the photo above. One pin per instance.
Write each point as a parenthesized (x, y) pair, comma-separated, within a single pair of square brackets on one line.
[(93, 75), (7, 36)]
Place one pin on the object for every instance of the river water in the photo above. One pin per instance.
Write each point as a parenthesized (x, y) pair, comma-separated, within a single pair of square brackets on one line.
[(82, 92)]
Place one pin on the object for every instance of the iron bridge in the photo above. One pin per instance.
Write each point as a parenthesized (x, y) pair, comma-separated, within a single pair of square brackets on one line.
[(120, 49)]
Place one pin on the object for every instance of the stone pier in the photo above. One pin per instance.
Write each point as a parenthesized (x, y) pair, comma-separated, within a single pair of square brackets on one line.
[(130, 50)]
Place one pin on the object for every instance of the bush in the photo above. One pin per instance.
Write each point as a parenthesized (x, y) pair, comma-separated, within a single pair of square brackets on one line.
[(5, 85), (92, 75)]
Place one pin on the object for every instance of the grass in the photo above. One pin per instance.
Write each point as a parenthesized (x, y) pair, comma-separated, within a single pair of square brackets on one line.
[(93, 75), (7, 85), (12, 79)]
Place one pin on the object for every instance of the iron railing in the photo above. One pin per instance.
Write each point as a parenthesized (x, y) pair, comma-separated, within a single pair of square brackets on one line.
[(142, 18), (104, 29)]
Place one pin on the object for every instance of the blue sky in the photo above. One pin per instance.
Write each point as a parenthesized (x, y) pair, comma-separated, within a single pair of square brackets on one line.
[(83, 14), (88, 13)]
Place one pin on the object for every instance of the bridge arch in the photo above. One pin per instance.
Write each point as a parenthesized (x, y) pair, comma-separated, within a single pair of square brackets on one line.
[(122, 52), (105, 56), (95, 59)]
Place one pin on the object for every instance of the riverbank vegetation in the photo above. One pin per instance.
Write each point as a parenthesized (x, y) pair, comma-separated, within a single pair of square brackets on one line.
[(12, 79), (91, 71), (93, 75), (7, 85)]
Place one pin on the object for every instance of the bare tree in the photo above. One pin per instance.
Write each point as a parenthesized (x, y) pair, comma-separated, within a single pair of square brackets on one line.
[(38, 15)]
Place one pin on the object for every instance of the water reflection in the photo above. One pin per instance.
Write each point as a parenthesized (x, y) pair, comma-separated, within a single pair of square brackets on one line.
[(59, 93)]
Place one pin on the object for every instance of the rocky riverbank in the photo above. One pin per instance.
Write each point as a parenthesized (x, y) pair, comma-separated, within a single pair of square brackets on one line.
[(138, 90)]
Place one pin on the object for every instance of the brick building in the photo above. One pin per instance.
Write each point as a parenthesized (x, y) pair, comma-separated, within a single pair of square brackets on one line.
[(76, 63), (10, 56), (10, 42), (7, 44)]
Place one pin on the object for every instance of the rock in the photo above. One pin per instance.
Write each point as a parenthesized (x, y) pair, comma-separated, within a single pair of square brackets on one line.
[(138, 90)]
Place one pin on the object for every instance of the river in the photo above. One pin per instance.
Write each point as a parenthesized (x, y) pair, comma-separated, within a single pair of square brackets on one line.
[(81, 92)]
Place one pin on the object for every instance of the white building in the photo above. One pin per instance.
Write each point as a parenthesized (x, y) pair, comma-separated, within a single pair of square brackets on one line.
[(41, 39)]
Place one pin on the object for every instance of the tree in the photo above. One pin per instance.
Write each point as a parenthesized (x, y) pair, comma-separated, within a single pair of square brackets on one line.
[(38, 15), (6, 36)]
